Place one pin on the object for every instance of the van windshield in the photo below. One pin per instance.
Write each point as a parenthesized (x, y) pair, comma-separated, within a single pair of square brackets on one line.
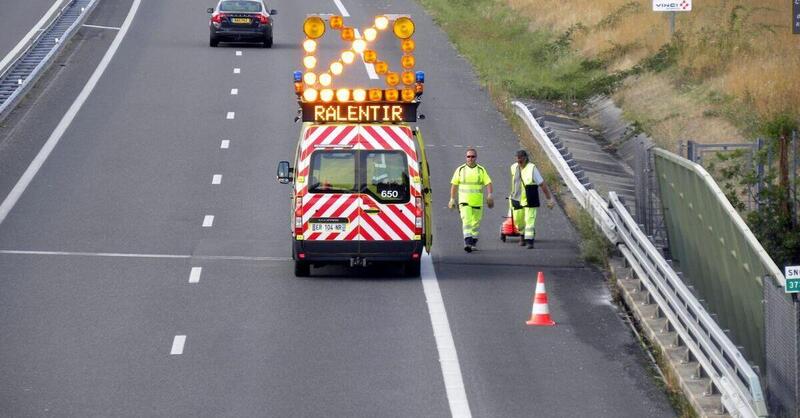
[(380, 174)]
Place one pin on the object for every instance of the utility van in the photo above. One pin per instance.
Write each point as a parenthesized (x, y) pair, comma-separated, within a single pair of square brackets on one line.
[(361, 190)]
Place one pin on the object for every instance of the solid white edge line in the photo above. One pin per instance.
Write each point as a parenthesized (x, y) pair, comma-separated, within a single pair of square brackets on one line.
[(237, 70), (208, 221), (238, 53), (177, 344), (341, 8), (225, 144), (370, 67), (194, 276), (234, 92), (448, 358), (230, 115), (62, 126), (216, 179)]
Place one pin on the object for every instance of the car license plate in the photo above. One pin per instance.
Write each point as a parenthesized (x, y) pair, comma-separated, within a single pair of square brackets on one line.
[(329, 227), (240, 20)]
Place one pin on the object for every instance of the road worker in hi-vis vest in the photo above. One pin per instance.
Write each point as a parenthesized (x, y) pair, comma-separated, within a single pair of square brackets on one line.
[(470, 179), (524, 198)]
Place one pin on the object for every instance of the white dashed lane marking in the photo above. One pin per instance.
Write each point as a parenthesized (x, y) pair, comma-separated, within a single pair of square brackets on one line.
[(234, 92), (208, 221), (237, 70), (238, 53), (341, 8), (177, 344), (225, 144), (230, 115), (194, 276), (216, 179)]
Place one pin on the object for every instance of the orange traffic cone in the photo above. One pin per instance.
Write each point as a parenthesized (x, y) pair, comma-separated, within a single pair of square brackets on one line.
[(540, 314)]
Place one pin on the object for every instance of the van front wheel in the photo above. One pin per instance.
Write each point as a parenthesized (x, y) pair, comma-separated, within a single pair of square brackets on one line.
[(302, 268)]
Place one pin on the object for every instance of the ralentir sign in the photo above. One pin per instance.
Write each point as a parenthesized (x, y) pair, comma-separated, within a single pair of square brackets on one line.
[(381, 112)]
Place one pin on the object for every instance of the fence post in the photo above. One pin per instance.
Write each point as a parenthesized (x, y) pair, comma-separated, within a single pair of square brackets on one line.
[(759, 172), (690, 151), (795, 199)]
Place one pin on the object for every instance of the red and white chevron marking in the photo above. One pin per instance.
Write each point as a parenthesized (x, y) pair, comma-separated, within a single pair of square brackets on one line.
[(392, 222)]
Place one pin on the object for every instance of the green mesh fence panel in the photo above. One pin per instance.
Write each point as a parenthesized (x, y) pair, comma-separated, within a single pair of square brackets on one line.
[(716, 251)]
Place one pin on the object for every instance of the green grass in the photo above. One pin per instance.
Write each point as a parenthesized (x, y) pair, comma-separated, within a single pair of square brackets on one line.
[(508, 55)]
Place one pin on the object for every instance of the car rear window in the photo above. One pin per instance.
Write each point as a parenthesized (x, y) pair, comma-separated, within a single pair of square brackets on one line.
[(240, 6), (332, 172)]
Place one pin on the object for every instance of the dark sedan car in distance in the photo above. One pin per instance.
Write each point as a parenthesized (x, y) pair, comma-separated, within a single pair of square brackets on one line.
[(241, 21)]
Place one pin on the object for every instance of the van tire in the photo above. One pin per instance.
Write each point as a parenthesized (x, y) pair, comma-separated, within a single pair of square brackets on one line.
[(302, 269), (411, 268)]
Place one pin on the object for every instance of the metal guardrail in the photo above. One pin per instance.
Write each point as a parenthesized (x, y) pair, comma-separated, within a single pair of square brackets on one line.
[(722, 362), (25, 43), (589, 200), (24, 64)]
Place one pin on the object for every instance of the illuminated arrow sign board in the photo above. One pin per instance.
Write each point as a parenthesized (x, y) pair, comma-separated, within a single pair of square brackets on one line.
[(375, 112), (792, 274), (672, 5)]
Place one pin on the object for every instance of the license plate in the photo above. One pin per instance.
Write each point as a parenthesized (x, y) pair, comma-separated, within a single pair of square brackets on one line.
[(240, 20), (329, 227)]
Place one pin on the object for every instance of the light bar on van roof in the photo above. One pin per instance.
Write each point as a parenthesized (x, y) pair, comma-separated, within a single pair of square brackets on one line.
[(318, 84)]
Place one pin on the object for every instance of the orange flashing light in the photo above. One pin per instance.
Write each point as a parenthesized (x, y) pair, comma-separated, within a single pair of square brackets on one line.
[(408, 95), (336, 22), (348, 34), (381, 67), (408, 77), (392, 79), (375, 95), (408, 45), (391, 95)]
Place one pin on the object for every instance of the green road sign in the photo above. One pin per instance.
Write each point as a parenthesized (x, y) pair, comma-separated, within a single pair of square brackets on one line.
[(792, 274)]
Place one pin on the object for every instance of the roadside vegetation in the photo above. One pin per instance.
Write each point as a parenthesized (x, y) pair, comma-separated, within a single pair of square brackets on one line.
[(728, 74)]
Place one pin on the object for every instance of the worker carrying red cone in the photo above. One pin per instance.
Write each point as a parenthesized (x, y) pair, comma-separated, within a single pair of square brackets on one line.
[(525, 182)]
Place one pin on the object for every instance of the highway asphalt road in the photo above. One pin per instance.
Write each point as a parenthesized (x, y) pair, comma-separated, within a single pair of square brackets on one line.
[(115, 300), (19, 16)]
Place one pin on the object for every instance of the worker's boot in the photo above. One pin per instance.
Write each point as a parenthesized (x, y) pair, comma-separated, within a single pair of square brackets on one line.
[(522, 241), (530, 243), (468, 244), (474, 243)]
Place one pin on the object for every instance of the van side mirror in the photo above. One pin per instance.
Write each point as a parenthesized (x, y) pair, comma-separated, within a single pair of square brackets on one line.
[(210, 10), (273, 12), (285, 172)]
